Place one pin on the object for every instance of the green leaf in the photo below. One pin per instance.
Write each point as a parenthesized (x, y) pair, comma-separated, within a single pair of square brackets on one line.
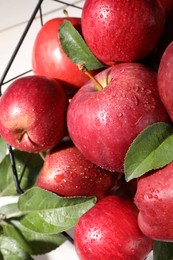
[(151, 149), (162, 250), (3, 149), (28, 166), (49, 213), (32, 242), (75, 47), (11, 250)]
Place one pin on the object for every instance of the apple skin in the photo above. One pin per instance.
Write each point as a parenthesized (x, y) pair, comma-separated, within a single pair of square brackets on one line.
[(102, 124), (66, 172), (154, 200), (109, 230), (49, 59), (165, 79), (33, 114), (122, 31)]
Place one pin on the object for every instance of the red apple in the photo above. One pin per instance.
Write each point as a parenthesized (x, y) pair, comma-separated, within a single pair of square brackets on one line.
[(118, 30), (67, 172), (154, 199), (109, 230), (48, 58), (103, 123), (165, 79), (33, 113)]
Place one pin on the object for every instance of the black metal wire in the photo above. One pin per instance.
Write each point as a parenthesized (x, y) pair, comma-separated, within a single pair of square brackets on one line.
[(20, 43), (19, 75), (13, 166), (69, 238)]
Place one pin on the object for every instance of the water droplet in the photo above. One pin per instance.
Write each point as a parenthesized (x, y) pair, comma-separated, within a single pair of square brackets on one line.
[(58, 178), (120, 114), (136, 88), (148, 92), (148, 196), (155, 197), (136, 100)]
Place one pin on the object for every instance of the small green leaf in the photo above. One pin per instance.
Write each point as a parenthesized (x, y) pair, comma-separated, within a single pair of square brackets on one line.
[(151, 149), (3, 149), (11, 250), (28, 166), (46, 212), (32, 242), (75, 47), (162, 250)]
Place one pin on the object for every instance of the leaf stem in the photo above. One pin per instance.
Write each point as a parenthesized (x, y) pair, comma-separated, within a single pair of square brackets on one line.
[(83, 68)]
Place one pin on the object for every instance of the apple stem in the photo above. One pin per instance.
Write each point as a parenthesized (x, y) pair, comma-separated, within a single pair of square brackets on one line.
[(21, 136), (65, 12), (42, 156), (83, 68)]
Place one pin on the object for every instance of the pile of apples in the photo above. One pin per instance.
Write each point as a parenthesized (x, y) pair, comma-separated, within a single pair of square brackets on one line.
[(85, 121)]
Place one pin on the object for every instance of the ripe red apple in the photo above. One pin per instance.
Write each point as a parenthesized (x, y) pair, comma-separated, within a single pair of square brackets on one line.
[(118, 30), (48, 58), (103, 123), (67, 172), (33, 113), (165, 79), (154, 199), (109, 230)]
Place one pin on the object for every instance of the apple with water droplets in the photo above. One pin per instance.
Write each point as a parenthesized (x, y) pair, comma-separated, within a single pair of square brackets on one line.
[(33, 114), (154, 200), (109, 230), (119, 30), (66, 172), (107, 113)]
